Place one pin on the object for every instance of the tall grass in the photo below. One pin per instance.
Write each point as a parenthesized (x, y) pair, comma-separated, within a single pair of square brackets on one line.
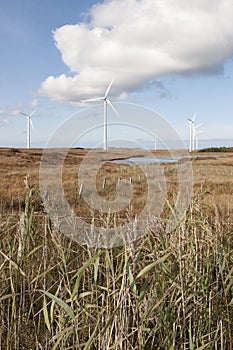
[(164, 291)]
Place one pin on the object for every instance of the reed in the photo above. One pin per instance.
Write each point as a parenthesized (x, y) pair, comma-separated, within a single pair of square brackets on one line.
[(163, 291)]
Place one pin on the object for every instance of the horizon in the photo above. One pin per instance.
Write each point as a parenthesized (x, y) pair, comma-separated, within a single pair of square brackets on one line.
[(215, 143)]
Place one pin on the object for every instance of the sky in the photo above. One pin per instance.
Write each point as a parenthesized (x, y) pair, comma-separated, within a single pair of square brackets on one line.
[(174, 57)]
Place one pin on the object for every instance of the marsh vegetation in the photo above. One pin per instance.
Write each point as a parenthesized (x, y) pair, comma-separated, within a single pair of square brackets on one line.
[(163, 291)]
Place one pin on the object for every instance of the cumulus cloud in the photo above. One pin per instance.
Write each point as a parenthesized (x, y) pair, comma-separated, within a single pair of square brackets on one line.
[(137, 41), (15, 111)]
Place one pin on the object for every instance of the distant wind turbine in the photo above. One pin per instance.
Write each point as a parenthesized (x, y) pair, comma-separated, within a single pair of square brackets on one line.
[(155, 143), (196, 133), (106, 102), (29, 125), (192, 133)]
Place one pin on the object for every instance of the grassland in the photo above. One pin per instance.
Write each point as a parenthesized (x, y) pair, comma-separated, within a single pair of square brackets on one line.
[(166, 290)]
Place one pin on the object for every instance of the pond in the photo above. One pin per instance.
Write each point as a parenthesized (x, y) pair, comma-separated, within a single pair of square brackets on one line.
[(147, 160)]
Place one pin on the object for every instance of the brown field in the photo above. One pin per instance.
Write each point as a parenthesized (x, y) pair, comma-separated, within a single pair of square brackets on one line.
[(212, 177)]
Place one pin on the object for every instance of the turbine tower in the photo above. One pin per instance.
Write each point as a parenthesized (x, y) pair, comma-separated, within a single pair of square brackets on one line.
[(106, 102), (29, 125)]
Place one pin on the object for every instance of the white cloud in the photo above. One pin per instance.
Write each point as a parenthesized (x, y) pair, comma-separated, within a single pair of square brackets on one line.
[(12, 112), (9, 112), (138, 40), (33, 104), (15, 111), (4, 122)]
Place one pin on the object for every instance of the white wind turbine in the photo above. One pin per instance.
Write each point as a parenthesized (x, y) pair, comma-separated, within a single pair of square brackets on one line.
[(196, 133), (155, 143), (106, 102), (192, 133), (29, 125)]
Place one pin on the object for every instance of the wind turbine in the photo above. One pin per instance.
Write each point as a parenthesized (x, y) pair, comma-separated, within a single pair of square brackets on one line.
[(155, 143), (196, 132), (106, 102), (29, 125), (192, 133)]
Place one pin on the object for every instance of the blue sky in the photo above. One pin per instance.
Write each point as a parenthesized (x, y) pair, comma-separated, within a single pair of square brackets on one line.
[(174, 57)]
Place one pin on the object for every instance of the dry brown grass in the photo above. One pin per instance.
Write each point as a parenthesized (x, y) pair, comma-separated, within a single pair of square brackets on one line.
[(212, 173), (163, 291)]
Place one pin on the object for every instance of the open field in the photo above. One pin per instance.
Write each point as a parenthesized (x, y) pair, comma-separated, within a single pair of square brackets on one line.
[(166, 290), (212, 172)]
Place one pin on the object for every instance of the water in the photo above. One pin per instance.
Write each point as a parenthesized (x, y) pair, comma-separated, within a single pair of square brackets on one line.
[(146, 160)]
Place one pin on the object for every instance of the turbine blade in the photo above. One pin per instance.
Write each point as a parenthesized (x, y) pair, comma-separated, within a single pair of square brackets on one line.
[(93, 99), (113, 108), (198, 126), (33, 111), (194, 116), (109, 87), (26, 115), (31, 124)]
